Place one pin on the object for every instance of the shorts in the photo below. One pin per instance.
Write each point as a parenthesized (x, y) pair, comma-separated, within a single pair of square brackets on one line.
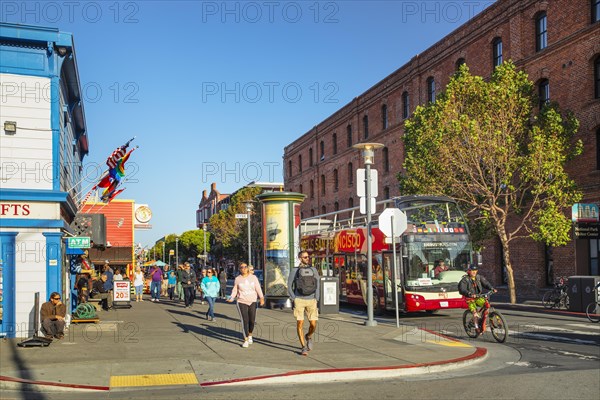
[(302, 306), (139, 290), (475, 304)]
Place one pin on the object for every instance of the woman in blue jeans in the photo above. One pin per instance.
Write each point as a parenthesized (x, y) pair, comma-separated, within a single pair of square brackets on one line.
[(210, 287)]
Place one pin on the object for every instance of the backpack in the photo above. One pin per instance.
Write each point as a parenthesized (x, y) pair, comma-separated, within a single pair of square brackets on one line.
[(305, 281)]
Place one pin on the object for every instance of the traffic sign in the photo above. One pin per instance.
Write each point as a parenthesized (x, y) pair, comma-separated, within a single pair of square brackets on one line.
[(360, 182), (241, 216), (399, 222), (363, 205), (171, 252), (81, 242)]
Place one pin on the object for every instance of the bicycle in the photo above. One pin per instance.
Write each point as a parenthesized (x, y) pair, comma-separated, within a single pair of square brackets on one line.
[(497, 323), (593, 309), (557, 297)]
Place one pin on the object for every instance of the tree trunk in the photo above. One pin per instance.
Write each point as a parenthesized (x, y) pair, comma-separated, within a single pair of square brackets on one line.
[(509, 270)]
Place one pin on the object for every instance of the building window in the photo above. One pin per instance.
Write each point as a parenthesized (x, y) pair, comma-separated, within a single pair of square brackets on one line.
[(597, 77), (323, 210), (323, 185), (312, 189), (405, 105), (310, 157), (300, 189), (594, 255), (299, 162), (366, 126), (349, 135), (386, 193), (544, 92), (350, 202), (336, 206), (384, 116), (598, 149), (336, 183), (430, 90), (290, 168), (334, 140), (541, 32), (322, 145), (595, 11), (497, 52), (459, 62), (312, 212), (350, 174), (386, 160)]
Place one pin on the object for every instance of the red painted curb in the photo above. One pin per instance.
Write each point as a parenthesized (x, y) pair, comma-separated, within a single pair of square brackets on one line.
[(479, 352), (57, 384)]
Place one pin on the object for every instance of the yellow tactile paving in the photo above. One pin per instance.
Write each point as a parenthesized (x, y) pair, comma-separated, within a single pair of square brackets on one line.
[(153, 380), (449, 343)]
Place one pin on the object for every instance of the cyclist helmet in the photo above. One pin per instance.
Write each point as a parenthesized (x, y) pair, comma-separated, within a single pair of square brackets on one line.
[(473, 267)]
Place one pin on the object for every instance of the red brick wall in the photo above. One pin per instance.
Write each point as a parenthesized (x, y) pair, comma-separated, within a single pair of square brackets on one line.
[(567, 62)]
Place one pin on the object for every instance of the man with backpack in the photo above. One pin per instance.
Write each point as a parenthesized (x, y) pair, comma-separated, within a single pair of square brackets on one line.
[(304, 290)]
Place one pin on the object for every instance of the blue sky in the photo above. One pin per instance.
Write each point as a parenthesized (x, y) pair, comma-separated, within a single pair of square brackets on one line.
[(214, 91)]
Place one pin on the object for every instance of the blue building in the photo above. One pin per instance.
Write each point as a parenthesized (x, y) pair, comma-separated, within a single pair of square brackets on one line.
[(43, 140)]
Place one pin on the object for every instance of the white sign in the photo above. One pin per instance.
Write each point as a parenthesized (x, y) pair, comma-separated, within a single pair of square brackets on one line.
[(329, 297), (385, 222), (363, 205), (241, 216), (361, 187), (121, 291), (425, 281), (29, 210)]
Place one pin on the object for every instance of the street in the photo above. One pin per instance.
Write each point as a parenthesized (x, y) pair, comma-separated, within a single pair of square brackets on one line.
[(549, 355)]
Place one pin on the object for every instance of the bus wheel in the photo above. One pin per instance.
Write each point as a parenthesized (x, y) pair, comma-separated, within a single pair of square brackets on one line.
[(431, 311)]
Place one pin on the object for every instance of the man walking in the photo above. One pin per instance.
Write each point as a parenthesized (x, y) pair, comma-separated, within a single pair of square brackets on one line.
[(223, 282), (304, 290)]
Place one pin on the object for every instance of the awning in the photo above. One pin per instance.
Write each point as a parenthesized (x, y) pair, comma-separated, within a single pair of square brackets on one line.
[(74, 252)]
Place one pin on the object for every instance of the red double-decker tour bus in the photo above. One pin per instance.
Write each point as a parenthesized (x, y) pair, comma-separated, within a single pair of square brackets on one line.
[(432, 254)]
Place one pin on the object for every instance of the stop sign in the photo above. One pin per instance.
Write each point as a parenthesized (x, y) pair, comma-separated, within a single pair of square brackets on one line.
[(399, 224)]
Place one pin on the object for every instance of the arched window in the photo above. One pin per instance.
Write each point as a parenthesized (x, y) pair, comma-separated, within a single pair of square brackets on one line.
[(384, 117), (323, 185), (349, 135), (366, 126), (405, 105), (541, 31), (310, 157), (496, 52), (312, 189), (386, 160), (312, 212), (336, 206), (323, 210), (322, 145), (300, 189), (334, 143), (350, 174), (336, 183), (431, 90), (350, 202), (290, 168), (299, 162), (386, 193), (544, 92), (597, 77), (459, 62)]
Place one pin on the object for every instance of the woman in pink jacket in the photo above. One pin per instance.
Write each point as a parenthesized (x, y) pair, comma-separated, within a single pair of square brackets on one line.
[(246, 288)]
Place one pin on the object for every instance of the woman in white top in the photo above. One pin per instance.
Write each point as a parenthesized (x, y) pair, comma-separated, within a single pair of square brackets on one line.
[(138, 282)]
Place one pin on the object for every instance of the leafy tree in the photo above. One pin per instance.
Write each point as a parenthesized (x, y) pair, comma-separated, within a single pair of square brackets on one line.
[(482, 144)]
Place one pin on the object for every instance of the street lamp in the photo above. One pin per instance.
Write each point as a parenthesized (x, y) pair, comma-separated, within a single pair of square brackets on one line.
[(248, 204), (204, 239), (368, 153), (163, 255)]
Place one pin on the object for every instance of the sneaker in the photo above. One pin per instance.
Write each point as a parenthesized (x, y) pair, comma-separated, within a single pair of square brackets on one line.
[(152, 300), (250, 340), (60, 336), (157, 300), (304, 351), (213, 320), (309, 342), (246, 344)]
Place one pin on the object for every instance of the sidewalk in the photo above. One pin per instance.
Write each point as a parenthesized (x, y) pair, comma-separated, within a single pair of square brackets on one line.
[(164, 343)]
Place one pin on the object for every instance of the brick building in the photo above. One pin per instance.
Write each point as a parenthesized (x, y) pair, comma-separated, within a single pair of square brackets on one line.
[(556, 42)]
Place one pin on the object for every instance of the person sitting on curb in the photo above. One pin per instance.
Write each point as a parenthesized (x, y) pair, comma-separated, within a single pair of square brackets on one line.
[(52, 314), (303, 289)]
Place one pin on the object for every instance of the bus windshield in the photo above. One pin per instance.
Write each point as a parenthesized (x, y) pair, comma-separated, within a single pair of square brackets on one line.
[(436, 265)]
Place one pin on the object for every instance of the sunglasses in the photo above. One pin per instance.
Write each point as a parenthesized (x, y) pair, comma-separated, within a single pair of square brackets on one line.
[(56, 298), (305, 257), (209, 272)]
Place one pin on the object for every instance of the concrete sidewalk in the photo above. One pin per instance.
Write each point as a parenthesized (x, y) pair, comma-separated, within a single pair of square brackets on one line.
[(155, 344)]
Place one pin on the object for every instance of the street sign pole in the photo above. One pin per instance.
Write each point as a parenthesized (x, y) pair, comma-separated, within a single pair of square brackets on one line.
[(370, 321), (394, 266)]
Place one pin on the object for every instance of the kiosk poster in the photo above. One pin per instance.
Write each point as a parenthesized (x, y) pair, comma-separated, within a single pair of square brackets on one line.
[(277, 248)]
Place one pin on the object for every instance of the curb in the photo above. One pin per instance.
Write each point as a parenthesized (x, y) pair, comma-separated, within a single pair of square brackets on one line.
[(7, 382), (346, 374)]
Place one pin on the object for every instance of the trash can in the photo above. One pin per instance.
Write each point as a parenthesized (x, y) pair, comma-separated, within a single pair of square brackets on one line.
[(574, 292), (588, 295), (329, 301)]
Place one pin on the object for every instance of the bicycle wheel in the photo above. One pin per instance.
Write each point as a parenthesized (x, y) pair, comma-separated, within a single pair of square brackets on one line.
[(498, 326), (469, 325), (592, 312), (548, 300)]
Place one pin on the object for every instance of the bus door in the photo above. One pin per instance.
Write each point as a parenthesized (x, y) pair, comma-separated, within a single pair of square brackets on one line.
[(388, 285)]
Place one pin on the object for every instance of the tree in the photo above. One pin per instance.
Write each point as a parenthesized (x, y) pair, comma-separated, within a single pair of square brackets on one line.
[(482, 144)]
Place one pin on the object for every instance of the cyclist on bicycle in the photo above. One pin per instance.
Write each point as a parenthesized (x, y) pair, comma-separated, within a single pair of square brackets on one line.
[(472, 285)]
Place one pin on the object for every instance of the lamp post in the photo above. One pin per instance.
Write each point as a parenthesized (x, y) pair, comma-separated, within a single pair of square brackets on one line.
[(177, 250), (204, 237), (248, 210), (368, 153), (163, 255)]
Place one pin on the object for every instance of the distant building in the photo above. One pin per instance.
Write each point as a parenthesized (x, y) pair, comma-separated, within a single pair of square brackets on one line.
[(43, 140), (555, 42)]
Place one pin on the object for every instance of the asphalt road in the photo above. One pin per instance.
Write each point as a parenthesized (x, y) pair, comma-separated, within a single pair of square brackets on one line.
[(547, 356)]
